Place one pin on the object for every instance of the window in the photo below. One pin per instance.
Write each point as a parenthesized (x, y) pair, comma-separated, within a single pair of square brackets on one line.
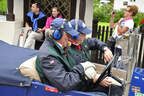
[(125, 3), (133, 0)]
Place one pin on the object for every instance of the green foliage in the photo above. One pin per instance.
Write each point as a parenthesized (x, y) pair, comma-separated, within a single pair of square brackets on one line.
[(96, 2), (138, 18), (118, 15), (102, 13), (3, 6)]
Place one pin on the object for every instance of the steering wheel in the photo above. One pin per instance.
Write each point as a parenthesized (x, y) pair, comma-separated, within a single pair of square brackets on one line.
[(106, 72)]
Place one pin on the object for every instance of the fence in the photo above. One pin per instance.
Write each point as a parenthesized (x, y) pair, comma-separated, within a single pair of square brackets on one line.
[(62, 5), (2, 13), (103, 33)]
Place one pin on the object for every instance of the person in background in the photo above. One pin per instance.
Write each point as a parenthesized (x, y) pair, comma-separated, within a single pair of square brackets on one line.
[(35, 22), (55, 14), (123, 26)]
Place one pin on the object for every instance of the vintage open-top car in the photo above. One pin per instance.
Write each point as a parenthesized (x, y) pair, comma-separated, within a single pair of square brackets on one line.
[(13, 83)]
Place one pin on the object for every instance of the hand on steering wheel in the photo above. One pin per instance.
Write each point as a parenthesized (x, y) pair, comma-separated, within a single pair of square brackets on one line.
[(105, 74), (105, 82), (102, 80)]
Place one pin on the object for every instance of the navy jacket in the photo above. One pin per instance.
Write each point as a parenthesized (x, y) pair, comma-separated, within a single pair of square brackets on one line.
[(54, 68)]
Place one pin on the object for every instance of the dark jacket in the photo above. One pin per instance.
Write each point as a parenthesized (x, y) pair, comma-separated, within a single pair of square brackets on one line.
[(54, 68)]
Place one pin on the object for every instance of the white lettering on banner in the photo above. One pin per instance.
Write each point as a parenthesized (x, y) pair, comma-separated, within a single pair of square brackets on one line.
[(136, 77)]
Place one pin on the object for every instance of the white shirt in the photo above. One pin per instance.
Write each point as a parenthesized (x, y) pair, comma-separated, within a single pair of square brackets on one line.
[(59, 44), (125, 23)]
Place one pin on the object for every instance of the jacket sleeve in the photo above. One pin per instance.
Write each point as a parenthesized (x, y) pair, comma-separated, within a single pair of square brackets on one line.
[(28, 20), (94, 43), (47, 25), (55, 72)]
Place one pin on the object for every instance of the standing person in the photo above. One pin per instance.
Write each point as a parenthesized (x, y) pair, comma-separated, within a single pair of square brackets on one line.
[(123, 26), (35, 21), (55, 14)]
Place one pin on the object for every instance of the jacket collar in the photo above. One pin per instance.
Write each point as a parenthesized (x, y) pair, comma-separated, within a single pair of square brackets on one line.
[(56, 46)]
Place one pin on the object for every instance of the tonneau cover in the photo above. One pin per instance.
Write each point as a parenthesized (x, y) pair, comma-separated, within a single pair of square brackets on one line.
[(10, 59)]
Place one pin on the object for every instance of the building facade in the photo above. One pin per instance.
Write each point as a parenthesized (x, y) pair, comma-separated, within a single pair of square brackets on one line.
[(119, 4)]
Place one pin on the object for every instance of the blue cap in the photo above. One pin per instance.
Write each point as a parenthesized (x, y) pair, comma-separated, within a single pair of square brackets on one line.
[(62, 24), (81, 27)]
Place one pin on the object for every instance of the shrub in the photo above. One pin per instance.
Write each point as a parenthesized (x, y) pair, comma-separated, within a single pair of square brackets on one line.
[(118, 15), (102, 13), (3, 6), (138, 18)]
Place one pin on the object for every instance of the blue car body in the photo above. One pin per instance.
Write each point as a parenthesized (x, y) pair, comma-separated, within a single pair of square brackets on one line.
[(13, 83), (37, 89)]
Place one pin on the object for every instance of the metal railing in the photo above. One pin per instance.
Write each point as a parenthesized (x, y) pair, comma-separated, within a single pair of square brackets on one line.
[(133, 42), (140, 52)]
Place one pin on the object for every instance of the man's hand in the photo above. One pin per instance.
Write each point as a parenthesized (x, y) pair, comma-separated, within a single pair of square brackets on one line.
[(112, 24), (107, 55), (113, 14), (90, 73), (29, 28), (105, 82), (40, 30), (89, 69)]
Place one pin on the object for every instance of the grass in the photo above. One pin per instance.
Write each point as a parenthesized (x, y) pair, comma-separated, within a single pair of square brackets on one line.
[(104, 24), (3, 6)]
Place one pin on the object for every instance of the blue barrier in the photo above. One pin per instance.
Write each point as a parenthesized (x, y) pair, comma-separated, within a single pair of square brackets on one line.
[(137, 83)]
